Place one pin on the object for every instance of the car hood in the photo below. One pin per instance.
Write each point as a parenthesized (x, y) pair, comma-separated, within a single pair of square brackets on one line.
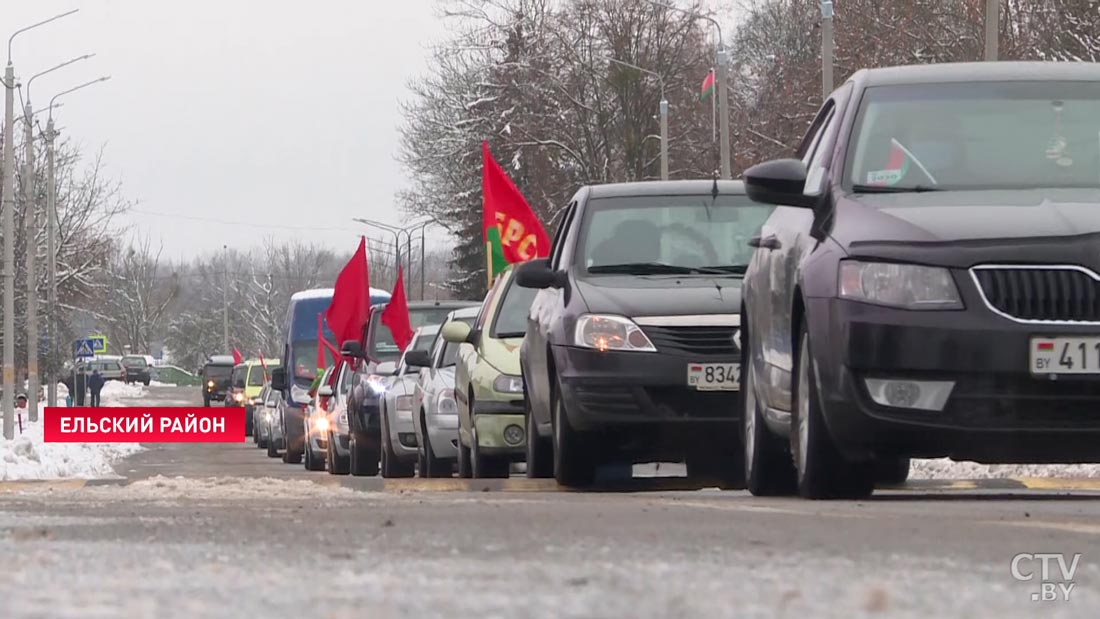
[(503, 354), (660, 295), (953, 216)]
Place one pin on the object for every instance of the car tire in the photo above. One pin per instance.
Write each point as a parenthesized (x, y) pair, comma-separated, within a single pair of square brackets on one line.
[(573, 462), (486, 467), (434, 467), (363, 461), (336, 465), (290, 455), (769, 470), (465, 468), (146, 382), (249, 426), (312, 461), (272, 447), (206, 402), (891, 471), (261, 442), (540, 451), (822, 471), (392, 466)]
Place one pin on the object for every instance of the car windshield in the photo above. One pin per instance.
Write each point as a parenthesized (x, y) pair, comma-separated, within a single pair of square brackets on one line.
[(256, 376), (239, 376), (305, 361), (511, 318), (134, 362), (382, 346), (976, 136), (219, 372), (676, 235)]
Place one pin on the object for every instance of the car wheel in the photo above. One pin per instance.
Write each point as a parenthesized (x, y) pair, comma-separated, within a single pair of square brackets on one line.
[(364, 458), (483, 466), (465, 469), (249, 426), (573, 463), (540, 455), (336, 464), (769, 470), (313, 461), (272, 447), (145, 382), (891, 471), (262, 439), (392, 466), (291, 455), (823, 473), (206, 402)]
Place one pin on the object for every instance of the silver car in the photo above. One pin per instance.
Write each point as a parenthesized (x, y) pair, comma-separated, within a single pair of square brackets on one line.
[(337, 453), (399, 443), (272, 402), (300, 398), (436, 421), (318, 423)]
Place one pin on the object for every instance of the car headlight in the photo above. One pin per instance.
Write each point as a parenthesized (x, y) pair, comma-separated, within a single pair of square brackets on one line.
[(508, 384), (445, 403), (210, 384), (908, 286), (404, 403), (610, 332), (238, 397), (374, 381)]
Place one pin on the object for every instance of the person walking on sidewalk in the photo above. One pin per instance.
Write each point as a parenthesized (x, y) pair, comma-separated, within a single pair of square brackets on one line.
[(95, 384)]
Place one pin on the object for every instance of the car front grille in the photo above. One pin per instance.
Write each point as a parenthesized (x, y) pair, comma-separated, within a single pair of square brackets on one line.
[(1041, 293), (696, 341)]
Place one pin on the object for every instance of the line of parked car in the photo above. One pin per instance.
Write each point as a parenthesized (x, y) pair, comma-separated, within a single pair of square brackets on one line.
[(921, 279)]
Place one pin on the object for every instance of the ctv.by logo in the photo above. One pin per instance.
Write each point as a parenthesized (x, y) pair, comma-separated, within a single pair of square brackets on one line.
[(1050, 589)]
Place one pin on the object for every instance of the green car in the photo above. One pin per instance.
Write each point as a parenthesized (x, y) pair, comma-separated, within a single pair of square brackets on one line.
[(488, 386)]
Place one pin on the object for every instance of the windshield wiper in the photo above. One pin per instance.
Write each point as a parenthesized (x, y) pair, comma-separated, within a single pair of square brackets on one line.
[(654, 268), (892, 189), (735, 269)]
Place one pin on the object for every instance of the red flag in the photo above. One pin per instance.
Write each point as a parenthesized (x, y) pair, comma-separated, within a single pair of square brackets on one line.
[(350, 307), (396, 314), (510, 228), (237, 358)]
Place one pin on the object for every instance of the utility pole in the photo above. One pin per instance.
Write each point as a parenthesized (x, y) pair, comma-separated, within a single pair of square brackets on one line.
[(423, 264), (7, 399), (225, 300), (723, 109), (51, 267), (826, 49), (664, 138), (992, 21), (30, 221)]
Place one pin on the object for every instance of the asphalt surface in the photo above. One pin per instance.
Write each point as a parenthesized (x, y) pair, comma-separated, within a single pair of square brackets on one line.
[(224, 531)]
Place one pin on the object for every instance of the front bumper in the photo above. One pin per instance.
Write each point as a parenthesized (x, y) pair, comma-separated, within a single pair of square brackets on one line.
[(402, 433), (996, 412), (443, 435), (491, 419), (608, 389)]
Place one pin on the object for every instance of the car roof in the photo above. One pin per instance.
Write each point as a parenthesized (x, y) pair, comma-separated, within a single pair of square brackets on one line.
[(220, 360), (443, 304), (665, 188), (978, 72), (465, 312), (314, 293)]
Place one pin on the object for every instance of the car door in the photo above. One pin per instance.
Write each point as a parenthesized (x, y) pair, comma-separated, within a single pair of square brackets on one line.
[(546, 306), (794, 239)]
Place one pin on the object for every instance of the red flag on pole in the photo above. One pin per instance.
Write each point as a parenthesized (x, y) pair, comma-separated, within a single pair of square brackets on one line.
[(511, 230), (350, 307), (237, 358), (396, 314)]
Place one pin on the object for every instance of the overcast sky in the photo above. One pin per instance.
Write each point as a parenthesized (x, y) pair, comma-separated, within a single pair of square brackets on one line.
[(225, 116), (276, 112)]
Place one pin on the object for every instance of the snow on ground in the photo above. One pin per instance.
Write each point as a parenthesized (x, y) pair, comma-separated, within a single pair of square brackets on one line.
[(157, 383), (28, 457), (944, 468)]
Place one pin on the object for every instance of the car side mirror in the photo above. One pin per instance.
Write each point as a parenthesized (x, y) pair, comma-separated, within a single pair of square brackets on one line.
[(353, 349), (417, 359), (781, 182), (538, 274), (456, 332), (386, 368), (278, 379), (324, 391)]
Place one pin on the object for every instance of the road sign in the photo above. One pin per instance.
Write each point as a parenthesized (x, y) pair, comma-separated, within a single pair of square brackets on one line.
[(83, 348), (99, 344)]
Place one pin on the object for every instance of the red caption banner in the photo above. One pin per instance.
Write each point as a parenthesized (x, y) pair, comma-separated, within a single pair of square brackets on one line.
[(143, 425)]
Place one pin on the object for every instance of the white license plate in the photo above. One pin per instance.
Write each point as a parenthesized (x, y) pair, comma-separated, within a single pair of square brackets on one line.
[(1065, 355), (714, 376)]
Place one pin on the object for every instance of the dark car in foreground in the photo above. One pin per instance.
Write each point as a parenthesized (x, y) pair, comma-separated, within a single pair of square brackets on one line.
[(217, 374), (630, 353), (929, 285)]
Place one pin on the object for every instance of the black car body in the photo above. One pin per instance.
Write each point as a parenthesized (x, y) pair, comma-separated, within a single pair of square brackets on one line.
[(217, 375), (939, 229), (364, 442), (138, 369), (630, 353)]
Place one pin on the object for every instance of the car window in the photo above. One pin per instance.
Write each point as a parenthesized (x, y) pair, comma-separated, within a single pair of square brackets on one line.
[(239, 375), (219, 372), (511, 315), (305, 361), (382, 346), (134, 362), (448, 352), (815, 171), (437, 349), (256, 376), (977, 136), (677, 232), (558, 243)]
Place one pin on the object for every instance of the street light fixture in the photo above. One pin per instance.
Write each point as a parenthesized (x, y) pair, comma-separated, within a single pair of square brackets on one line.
[(663, 110), (397, 231), (51, 245), (7, 402), (720, 76)]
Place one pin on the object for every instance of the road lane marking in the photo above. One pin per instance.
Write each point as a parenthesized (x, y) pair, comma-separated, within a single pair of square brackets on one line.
[(51, 484)]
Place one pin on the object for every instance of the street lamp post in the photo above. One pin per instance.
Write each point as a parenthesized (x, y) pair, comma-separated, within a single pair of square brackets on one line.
[(397, 232), (992, 19), (396, 239), (721, 74), (662, 108), (51, 247), (7, 401), (30, 219)]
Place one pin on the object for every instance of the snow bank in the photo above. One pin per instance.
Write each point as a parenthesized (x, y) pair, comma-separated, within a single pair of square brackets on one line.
[(944, 468), (229, 489), (28, 457)]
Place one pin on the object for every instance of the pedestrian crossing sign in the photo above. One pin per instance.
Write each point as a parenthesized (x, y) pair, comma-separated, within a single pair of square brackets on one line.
[(83, 348)]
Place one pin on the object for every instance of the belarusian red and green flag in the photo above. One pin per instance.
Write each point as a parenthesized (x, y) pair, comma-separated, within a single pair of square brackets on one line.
[(510, 228), (708, 86), (897, 166)]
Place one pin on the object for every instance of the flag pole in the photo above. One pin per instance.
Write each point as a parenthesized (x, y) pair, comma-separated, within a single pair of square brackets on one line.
[(488, 265)]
